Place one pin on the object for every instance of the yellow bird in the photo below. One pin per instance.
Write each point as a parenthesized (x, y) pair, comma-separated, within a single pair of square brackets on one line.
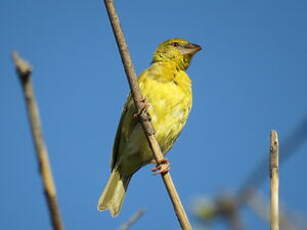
[(167, 90)]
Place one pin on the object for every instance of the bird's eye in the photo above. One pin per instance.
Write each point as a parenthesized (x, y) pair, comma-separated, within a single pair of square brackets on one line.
[(175, 44)]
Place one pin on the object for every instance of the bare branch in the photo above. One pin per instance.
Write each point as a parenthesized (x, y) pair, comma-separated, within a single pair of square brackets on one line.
[(132, 220), (260, 207), (144, 118), (24, 73), (289, 147), (247, 190), (274, 181)]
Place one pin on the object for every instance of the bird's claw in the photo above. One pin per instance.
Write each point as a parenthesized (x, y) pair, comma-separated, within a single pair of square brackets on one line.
[(145, 106), (163, 166)]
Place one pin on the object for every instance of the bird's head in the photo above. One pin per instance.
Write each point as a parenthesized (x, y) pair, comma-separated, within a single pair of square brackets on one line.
[(178, 51)]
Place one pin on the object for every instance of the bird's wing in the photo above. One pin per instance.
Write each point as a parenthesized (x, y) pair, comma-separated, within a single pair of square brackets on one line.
[(126, 125)]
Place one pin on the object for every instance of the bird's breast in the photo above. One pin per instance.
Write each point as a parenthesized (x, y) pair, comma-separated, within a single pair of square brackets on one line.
[(170, 104)]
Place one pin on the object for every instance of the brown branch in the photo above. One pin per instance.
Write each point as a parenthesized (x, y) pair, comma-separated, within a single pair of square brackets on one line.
[(132, 220), (24, 73), (274, 181), (144, 118)]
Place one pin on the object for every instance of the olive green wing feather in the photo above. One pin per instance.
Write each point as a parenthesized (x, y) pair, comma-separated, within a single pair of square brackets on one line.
[(126, 125)]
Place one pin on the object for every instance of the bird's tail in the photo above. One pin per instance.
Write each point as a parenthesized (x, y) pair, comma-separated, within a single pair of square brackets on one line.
[(114, 193)]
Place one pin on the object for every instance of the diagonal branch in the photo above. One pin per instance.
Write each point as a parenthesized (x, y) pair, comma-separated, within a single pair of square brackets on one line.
[(132, 220), (274, 181), (24, 73), (144, 119)]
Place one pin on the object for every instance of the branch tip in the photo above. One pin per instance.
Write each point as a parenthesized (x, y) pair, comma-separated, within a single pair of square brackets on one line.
[(22, 66), (274, 181)]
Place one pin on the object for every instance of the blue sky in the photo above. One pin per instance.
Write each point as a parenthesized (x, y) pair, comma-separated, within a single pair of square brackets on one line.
[(249, 78)]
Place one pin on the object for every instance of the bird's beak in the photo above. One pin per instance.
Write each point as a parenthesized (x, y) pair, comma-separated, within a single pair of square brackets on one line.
[(191, 49)]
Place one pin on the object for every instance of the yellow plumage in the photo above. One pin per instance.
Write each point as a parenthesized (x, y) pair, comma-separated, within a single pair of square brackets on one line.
[(167, 88)]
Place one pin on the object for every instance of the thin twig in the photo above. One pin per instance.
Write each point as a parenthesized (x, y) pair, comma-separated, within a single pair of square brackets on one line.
[(289, 146), (274, 181), (132, 220), (144, 119), (260, 207), (24, 73)]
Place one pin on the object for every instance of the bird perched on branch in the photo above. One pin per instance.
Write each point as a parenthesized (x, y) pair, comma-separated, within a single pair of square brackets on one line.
[(167, 93)]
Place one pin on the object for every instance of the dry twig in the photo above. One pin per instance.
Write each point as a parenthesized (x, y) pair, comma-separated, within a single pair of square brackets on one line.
[(24, 73), (260, 207), (289, 147), (247, 191), (274, 181), (132, 220), (144, 118)]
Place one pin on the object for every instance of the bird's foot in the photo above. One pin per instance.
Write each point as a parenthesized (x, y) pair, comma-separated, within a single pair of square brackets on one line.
[(144, 107), (163, 166)]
